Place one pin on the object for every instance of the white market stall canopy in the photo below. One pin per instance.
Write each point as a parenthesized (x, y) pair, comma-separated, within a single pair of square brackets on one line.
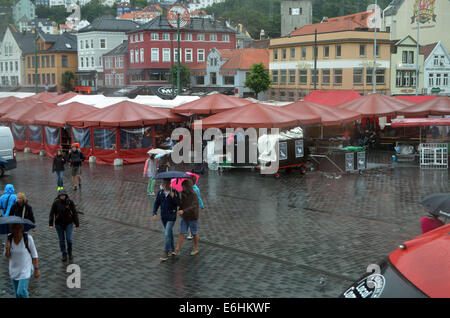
[(156, 101), (99, 101), (15, 94)]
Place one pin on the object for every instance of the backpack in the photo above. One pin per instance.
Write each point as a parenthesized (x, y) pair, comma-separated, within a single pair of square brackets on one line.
[(25, 240), (67, 213)]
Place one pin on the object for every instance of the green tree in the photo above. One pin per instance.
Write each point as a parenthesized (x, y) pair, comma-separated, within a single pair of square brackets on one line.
[(95, 9), (67, 80), (258, 80), (56, 13), (185, 75)]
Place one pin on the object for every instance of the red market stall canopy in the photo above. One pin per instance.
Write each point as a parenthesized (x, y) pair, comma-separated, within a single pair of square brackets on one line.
[(416, 99), (58, 117), (436, 106), (43, 97), (332, 97), (422, 122), (211, 104), (327, 115), (250, 116), (56, 99), (125, 114), (7, 104), (26, 112), (376, 105)]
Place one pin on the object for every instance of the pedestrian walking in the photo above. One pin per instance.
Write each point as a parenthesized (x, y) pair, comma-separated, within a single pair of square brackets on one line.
[(58, 166), (150, 170), (64, 216), (7, 200), (23, 260), (76, 158), (189, 215), (430, 222), (168, 200), (194, 179), (22, 209)]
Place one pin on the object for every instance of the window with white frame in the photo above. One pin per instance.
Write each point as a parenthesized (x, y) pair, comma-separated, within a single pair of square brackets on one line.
[(200, 55), (438, 79), (225, 38), (119, 62), (92, 62), (155, 55), (445, 80), (92, 43), (188, 37), (87, 62), (431, 79), (200, 37), (103, 43), (166, 55), (87, 44), (81, 62), (142, 55), (141, 37), (188, 55), (119, 80), (131, 57), (166, 36), (136, 55), (155, 36), (81, 45), (436, 60), (213, 37), (175, 55)]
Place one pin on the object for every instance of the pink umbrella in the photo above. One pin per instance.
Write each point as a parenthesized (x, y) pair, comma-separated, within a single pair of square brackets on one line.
[(177, 183)]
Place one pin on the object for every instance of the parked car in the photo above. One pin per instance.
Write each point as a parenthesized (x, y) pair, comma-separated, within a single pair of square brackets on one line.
[(418, 268), (7, 151)]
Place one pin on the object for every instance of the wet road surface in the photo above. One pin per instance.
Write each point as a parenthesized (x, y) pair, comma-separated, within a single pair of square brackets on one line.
[(259, 236)]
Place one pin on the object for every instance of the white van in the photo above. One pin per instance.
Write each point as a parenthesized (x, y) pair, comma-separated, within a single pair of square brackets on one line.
[(7, 151)]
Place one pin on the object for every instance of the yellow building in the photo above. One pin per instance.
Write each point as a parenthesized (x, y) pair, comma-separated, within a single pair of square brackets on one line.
[(56, 54), (345, 59)]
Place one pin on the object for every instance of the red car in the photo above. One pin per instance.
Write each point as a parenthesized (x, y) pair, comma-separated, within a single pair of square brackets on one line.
[(418, 268)]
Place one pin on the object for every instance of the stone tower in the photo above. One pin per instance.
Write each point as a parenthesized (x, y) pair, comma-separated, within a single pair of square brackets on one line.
[(295, 14)]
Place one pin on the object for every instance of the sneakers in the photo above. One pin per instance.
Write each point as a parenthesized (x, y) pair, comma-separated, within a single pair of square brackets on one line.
[(75, 188), (79, 186), (190, 237), (172, 253), (176, 253), (164, 257), (64, 258), (151, 193), (60, 188), (70, 257), (194, 252)]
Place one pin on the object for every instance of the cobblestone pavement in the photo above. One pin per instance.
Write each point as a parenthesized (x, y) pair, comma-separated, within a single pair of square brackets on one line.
[(259, 236)]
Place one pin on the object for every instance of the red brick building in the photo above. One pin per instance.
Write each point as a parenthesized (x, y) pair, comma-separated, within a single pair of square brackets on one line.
[(115, 66), (152, 47)]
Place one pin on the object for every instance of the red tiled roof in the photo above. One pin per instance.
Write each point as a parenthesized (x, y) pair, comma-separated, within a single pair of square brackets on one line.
[(243, 59), (344, 23), (427, 49)]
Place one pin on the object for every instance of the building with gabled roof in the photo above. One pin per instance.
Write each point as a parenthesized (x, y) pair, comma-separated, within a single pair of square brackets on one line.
[(227, 69), (55, 55), (95, 40), (115, 66), (436, 70)]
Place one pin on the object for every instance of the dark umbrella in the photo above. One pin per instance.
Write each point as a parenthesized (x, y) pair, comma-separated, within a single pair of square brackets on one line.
[(172, 175), (437, 203), (5, 221)]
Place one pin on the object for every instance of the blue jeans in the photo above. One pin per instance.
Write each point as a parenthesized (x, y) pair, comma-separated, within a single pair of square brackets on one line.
[(65, 234), (185, 225), (21, 288), (59, 175), (168, 234)]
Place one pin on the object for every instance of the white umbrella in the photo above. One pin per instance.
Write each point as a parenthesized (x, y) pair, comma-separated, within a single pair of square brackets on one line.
[(157, 151)]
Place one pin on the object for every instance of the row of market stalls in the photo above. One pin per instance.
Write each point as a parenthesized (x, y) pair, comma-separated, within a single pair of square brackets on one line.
[(119, 128)]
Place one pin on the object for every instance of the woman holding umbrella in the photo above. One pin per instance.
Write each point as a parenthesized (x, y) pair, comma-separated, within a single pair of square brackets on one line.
[(22, 254), (436, 205)]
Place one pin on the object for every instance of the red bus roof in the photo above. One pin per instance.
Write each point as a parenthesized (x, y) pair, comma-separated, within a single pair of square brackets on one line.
[(426, 262)]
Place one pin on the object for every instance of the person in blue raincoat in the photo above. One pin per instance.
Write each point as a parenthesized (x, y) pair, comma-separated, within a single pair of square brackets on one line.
[(7, 200)]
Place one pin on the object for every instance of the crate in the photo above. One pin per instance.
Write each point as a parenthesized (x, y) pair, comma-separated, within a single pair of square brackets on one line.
[(433, 156)]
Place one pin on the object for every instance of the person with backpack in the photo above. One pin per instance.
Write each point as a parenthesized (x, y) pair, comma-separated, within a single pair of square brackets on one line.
[(168, 199), (7, 200), (76, 158), (64, 215), (22, 209), (58, 167), (23, 260)]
